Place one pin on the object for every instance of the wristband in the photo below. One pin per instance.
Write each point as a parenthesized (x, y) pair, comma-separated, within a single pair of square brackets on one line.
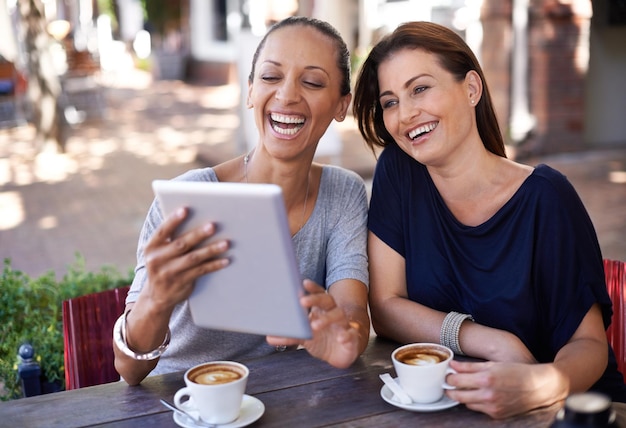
[(119, 337), (449, 335)]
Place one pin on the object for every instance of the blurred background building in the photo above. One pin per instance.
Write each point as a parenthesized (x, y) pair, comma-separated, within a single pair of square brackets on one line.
[(555, 67)]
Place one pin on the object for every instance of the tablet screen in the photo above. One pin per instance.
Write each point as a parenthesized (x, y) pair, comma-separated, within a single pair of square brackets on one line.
[(258, 292)]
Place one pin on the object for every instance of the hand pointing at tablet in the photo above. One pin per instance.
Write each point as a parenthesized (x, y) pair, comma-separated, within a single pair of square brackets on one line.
[(336, 330)]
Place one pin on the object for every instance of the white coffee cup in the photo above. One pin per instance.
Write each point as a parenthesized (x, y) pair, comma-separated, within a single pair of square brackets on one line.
[(216, 391), (422, 369)]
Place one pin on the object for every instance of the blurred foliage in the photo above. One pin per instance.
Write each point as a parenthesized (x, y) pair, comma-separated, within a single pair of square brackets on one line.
[(163, 15), (108, 8), (30, 311)]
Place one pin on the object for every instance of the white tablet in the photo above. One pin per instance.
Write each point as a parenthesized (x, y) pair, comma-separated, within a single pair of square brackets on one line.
[(259, 291)]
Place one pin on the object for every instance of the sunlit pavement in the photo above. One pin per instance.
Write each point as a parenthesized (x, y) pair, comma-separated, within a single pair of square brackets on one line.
[(92, 199)]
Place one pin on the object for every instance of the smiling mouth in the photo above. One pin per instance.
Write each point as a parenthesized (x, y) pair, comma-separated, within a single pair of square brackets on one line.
[(286, 125), (422, 130)]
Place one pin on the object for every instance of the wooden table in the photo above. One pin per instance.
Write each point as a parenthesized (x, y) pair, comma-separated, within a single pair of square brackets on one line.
[(297, 390)]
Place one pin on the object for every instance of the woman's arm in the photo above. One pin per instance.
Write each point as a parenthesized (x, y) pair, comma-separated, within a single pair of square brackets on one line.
[(172, 265), (145, 331), (585, 357), (351, 296), (398, 318), (505, 389)]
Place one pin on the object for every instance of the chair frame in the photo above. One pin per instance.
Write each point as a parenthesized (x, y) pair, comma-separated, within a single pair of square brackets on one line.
[(615, 275), (87, 333)]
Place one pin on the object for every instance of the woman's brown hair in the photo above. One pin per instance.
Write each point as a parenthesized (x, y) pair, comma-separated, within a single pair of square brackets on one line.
[(454, 55)]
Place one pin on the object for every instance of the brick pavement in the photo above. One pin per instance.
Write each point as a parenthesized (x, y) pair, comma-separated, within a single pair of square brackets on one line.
[(93, 199)]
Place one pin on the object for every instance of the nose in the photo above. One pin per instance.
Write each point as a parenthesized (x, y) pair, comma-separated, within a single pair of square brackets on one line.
[(407, 110), (288, 92)]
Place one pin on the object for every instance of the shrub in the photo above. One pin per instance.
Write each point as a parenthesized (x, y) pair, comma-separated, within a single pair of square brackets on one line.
[(30, 311)]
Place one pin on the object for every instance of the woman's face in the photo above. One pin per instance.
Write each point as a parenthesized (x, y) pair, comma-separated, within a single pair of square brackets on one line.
[(427, 112), (296, 90)]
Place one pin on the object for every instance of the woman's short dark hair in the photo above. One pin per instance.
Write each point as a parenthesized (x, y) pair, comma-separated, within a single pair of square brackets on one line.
[(343, 54), (454, 55)]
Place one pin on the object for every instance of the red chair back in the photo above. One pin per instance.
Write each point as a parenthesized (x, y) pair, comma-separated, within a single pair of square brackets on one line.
[(87, 333), (615, 273)]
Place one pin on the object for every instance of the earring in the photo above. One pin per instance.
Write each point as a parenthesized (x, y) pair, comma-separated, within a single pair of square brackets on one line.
[(473, 102)]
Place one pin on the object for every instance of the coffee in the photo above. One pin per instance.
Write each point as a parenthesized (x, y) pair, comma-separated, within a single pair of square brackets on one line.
[(421, 356), (215, 374), (422, 369), (217, 389)]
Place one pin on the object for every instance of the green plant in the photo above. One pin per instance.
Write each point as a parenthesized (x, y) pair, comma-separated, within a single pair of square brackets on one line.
[(164, 15), (30, 311)]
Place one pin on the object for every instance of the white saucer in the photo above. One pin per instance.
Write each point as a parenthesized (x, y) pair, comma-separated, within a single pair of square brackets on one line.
[(444, 403), (251, 409)]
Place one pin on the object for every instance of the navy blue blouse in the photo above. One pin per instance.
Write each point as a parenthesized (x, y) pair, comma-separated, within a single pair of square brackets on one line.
[(533, 269)]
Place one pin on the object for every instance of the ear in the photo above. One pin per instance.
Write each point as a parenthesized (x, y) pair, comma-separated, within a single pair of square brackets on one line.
[(474, 86), (342, 109)]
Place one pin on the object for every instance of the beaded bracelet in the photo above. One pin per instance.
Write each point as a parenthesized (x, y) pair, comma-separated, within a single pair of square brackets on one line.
[(449, 334), (119, 337)]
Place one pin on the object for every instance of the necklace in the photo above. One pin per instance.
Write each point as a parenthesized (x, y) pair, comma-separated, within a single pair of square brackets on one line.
[(246, 160)]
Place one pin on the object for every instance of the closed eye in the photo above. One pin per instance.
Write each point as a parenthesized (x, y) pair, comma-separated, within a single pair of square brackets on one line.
[(314, 84), (270, 78)]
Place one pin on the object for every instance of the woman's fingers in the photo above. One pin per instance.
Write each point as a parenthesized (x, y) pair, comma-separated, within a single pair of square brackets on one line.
[(334, 340), (182, 259), (316, 297), (164, 246), (282, 341), (187, 267), (164, 235), (312, 287), (323, 310), (165, 231)]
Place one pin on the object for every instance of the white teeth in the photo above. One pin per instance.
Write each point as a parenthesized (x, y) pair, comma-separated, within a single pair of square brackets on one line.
[(286, 131), (422, 129), (286, 119)]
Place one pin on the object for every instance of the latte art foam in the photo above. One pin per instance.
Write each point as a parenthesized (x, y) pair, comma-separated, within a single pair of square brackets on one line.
[(421, 356), (422, 360), (215, 376)]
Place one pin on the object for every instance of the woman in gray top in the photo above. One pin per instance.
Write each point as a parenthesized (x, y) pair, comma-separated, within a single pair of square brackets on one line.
[(299, 83)]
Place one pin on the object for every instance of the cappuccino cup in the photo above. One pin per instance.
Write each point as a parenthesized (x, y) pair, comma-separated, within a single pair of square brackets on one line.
[(215, 390), (422, 369)]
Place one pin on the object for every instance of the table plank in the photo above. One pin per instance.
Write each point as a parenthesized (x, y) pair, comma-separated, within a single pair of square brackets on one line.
[(324, 402), (158, 420), (89, 406)]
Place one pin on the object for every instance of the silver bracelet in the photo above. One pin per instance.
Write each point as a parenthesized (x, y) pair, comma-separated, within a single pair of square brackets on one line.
[(119, 337), (449, 334)]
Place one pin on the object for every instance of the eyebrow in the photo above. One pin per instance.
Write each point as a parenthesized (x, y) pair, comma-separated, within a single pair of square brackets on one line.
[(406, 84), (308, 67)]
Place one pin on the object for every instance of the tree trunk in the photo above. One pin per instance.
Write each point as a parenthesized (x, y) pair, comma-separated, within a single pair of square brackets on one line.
[(44, 84)]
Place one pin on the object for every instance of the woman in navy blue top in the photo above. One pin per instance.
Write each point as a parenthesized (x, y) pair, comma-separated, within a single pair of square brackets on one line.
[(496, 259)]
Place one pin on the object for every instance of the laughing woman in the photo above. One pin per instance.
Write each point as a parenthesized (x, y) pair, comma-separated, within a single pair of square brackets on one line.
[(495, 259), (299, 83)]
